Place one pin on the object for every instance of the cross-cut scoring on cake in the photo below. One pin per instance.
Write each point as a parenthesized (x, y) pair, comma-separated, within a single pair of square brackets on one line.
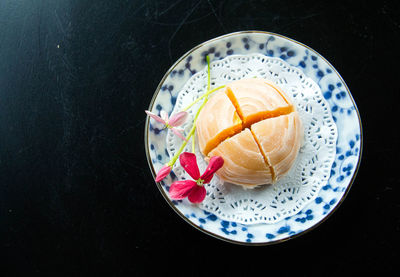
[(236, 108)]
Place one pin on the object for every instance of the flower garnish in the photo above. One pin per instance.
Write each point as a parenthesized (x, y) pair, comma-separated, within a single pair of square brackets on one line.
[(171, 123), (194, 190), (177, 120)]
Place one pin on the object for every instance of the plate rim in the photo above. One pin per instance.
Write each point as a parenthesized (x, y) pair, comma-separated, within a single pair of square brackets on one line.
[(168, 200)]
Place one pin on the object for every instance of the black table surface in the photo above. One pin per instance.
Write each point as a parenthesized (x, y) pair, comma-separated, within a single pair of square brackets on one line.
[(77, 197)]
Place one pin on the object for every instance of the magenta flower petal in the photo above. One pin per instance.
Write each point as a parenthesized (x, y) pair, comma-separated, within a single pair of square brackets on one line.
[(164, 171), (216, 162), (181, 189), (189, 163), (178, 119), (155, 117), (197, 194), (178, 133)]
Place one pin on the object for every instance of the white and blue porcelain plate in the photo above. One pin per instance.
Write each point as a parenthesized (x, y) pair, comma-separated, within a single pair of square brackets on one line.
[(335, 92)]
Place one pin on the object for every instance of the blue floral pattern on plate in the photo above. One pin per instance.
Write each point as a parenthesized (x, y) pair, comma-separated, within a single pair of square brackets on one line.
[(335, 91)]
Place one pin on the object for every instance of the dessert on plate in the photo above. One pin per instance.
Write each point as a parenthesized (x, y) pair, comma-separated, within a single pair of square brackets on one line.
[(254, 127)]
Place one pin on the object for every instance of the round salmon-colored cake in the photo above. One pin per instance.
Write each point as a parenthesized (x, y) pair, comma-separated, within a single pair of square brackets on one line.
[(254, 127)]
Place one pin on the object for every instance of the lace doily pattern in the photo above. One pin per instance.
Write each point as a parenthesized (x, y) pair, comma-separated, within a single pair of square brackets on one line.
[(272, 203), (338, 101)]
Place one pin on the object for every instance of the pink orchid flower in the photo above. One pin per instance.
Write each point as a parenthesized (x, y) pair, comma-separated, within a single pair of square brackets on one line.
[(171, 123), (194, 190)]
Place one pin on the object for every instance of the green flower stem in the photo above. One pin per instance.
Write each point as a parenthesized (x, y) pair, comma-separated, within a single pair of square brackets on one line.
[(191, 133), (209, 91), (193, 144), (193, 129), (174, 158), (201, 97)]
